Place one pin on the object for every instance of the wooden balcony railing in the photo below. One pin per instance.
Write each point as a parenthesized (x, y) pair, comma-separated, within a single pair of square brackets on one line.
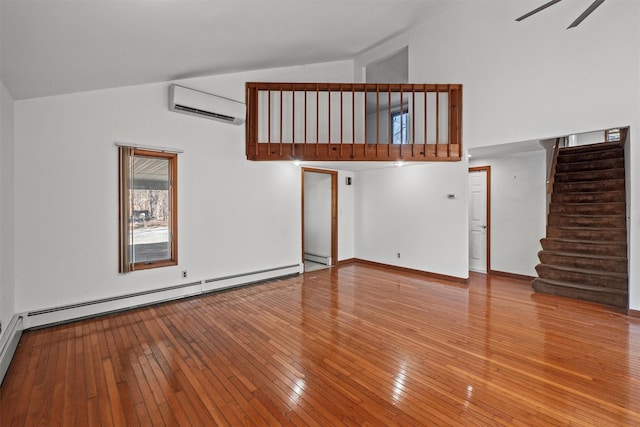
[(354, 121)]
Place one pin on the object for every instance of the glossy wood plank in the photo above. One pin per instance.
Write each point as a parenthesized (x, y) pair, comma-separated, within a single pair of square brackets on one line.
[(352, 345)]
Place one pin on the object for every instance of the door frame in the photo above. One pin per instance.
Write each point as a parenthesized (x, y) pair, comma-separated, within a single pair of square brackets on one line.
[(487, 170), (334, 210)]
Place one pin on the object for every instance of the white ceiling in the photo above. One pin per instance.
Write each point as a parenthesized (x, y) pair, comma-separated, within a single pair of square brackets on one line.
[(51, 47)]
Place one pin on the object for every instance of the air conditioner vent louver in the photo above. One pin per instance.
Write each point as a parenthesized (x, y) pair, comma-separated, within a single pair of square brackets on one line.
[(204, 113), (202, 104)]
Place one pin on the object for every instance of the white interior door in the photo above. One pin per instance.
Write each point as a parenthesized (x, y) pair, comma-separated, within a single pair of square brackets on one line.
[(478, 221)]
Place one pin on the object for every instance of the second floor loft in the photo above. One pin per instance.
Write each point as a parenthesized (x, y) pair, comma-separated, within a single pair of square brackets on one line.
[(354, 122)]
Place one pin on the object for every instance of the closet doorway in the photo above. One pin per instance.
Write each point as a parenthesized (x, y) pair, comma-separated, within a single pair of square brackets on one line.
[(319, 218)]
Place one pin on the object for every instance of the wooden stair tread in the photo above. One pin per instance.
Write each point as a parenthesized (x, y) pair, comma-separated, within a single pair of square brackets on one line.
[(589, 215), (591, 182), (592, 205), (592, 147), (570, 227), (588, 242), (583, 286), (592, 256), (586, 271), (587, 192), (591, 195)]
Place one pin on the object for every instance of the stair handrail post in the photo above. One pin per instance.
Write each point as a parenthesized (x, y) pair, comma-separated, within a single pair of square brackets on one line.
[(554, 161)]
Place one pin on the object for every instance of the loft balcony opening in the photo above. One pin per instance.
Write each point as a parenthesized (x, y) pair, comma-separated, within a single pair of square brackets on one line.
[(354, 121)]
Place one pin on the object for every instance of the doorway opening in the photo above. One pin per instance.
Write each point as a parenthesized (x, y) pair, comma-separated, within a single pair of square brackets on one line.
[(319, 218), (480, 219)]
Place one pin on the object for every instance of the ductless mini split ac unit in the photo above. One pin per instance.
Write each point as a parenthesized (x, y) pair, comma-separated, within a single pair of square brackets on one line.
[(202, 104)]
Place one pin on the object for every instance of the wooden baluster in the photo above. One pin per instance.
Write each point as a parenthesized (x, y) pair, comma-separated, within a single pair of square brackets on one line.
[(401, 111), (458, 118), (281, 122), (341, 119), (317, 117), (390, 133), (377, 118), (293, 121), (413, 121), (364, 108), (451, 121), (437, 118), (426, 116), (304, 147), (353, 121), (269, 124), (252, 118), (328, 121)]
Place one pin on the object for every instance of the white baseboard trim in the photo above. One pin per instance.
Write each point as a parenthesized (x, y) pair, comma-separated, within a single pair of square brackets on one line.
[(73, 312), (9, 343)]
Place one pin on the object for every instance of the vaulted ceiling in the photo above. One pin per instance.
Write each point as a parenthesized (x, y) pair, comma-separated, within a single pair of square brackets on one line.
[(52, 47)]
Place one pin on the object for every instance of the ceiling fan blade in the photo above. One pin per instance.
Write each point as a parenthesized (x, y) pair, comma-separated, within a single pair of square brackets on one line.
[(586, 13), (534, 11)]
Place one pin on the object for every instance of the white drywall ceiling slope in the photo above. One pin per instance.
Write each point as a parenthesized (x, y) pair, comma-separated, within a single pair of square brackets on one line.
[(56, 47)]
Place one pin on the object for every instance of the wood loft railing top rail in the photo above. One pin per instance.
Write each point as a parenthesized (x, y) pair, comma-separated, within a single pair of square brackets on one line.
[(354, 121)]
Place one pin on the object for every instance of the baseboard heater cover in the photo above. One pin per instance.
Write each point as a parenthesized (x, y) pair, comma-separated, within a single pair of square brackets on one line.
[(9, 344), (225, 282), (320, 259), (77, 311)]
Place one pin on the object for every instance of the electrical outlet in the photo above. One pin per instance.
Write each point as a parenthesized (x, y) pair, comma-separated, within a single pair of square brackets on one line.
[(184, 274), (398, 254)]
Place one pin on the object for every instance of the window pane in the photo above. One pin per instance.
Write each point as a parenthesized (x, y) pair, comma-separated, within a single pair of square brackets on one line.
[(148, 209), (149, 198), (399, 127)]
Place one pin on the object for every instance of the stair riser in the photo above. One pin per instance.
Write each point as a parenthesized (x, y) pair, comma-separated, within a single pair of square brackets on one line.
[(595, 197), (573, 157), (588, 208), (617, 266), (585, 295), (602, 175), (589, 186), (546, 272), (590, 165), (584, 248), (587, 221), (591, 234)]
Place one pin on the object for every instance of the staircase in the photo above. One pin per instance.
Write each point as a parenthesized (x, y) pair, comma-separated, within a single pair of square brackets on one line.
[(584, 255)]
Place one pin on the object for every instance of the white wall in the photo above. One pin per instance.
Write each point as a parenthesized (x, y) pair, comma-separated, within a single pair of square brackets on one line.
[(518, 210), (535, 80), (394, 69), (235, 216), (317, 214), (524, 80), (7, 285), (346, 215), (406, 210)]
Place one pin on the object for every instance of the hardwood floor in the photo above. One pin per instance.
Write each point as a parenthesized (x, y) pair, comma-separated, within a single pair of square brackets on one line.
[(354, 345)]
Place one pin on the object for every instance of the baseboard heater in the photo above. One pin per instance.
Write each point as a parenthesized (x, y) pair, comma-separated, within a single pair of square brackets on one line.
[(9, 343), (320, 259), (73, 312)]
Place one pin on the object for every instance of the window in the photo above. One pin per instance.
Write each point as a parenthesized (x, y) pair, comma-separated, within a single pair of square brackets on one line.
[(612, 135), (148, 209), (399, 126)]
